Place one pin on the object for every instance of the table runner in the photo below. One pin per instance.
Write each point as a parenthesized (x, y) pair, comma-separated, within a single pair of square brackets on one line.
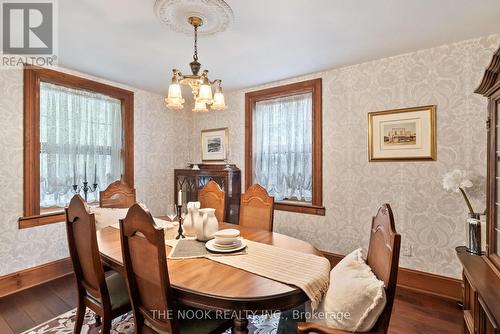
[(310, 273)]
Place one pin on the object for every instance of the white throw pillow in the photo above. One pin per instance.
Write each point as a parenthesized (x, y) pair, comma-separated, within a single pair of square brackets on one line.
[(355, 298)]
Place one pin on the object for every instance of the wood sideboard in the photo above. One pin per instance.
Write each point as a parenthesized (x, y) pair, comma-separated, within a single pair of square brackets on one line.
[(481, 294), (228, 177)]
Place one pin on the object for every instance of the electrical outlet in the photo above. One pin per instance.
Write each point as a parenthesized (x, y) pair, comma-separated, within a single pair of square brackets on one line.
[(407, 250)]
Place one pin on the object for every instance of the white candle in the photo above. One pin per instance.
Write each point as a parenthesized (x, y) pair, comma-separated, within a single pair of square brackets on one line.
[(179, 197), (74, 173), (95, 173), (85, 171)]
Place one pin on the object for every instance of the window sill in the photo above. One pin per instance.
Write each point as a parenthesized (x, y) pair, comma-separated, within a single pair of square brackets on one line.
[(43, 219), (300, 208)]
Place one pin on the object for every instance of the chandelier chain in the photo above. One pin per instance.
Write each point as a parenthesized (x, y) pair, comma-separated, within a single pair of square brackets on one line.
[(195, 56)]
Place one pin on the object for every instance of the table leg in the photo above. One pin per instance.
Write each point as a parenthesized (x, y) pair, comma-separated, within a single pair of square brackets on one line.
[(240, 325)]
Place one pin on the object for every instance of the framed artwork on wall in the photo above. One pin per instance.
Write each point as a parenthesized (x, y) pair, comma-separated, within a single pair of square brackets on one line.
[(407, 134), (214, 144)]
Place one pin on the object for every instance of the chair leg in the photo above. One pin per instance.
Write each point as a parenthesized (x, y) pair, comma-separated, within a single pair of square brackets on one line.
[(80, 315), (240, 325), (106, 325)]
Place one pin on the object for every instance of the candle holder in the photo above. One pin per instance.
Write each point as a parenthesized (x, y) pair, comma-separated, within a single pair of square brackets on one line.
[(180, 232), (76, 189)]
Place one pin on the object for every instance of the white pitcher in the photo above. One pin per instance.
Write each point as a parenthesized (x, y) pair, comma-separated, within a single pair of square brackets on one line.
[(206, 225), (189, 224)]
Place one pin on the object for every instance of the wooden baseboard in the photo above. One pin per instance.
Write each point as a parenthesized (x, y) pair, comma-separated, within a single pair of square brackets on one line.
[(27, 278), (419, 281)]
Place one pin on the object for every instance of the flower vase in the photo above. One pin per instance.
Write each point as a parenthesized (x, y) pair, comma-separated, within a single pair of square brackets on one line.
[(474, 233)]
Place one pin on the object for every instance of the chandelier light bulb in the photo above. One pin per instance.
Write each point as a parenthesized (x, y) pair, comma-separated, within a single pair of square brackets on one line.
[(219, 101), (200, 106), (205, 93), (174, 91), (174, 104)]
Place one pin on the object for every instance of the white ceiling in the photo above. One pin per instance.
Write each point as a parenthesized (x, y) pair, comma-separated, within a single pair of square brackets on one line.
[(123, 41)]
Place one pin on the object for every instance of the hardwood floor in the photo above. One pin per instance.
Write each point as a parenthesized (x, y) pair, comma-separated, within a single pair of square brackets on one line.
[(28, 308), (413, 313)]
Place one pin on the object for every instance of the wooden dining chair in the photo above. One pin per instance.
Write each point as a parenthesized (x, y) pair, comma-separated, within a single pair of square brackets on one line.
[(106, 295), (117, 195), (212, 196), (383, 259), (145, 261), (257, 208)]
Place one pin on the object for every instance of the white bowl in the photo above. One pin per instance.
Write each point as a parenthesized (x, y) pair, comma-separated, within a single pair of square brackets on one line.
[(227, 236)]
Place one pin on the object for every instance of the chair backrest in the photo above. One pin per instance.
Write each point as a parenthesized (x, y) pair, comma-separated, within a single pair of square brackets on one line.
[(145, 261), (117, 195), (84, 252), (383, 259), (212, 196), (257, 208)]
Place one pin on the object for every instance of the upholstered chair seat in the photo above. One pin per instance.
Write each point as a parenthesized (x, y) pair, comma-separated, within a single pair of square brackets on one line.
[(117, 289), (118, 293)]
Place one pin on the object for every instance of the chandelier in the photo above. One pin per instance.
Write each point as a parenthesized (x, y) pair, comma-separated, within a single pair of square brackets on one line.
[(201, 86)]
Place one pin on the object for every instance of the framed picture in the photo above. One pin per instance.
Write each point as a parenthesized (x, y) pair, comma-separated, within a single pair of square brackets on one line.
[(214, 144), (402, 134)]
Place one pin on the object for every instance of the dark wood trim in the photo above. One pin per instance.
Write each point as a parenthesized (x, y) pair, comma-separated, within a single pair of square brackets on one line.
[(313, 86), (39, 220), (431, 284), (30, 277), (31, 143), (300, 208), (32, 77), (419, 281)]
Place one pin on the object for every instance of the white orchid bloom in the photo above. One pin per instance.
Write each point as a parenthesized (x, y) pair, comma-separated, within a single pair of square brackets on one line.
[(457, 181)]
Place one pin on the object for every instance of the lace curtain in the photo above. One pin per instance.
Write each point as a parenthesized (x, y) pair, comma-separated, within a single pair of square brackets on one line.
[(282, 147), (80, 133)]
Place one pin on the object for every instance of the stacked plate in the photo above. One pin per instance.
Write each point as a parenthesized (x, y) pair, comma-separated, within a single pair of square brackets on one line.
[(226, 241)]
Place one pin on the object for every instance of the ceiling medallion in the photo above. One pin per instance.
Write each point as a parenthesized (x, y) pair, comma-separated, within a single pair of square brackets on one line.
[(216, 15)]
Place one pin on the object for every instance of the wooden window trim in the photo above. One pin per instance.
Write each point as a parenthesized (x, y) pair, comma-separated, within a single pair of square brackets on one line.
[(310, 86), (32, 77)]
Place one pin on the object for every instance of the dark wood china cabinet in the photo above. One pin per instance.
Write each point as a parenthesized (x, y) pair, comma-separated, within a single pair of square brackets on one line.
[(481, 274), (228, 177)]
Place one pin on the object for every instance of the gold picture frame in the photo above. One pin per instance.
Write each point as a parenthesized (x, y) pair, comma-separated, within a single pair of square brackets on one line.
[(214, 144), (407, 134)]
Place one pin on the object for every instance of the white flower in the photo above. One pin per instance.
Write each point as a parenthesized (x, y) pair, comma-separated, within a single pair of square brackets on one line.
[(455, 180)]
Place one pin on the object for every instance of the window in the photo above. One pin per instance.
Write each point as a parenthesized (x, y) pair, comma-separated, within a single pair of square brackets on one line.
[(75, 129), (80, 139), (283, 145)]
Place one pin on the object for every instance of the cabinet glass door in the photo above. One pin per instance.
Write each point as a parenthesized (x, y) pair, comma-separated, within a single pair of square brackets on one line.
[(496, 222)]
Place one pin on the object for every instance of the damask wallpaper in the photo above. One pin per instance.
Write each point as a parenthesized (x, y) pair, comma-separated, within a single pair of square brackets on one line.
[(431, 221), (155, 141)]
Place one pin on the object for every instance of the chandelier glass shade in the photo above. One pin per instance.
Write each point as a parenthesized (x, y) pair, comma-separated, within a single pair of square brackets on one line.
[(201, 86)]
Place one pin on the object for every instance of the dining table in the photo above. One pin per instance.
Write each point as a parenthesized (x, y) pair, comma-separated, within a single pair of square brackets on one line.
[(210, 285)]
